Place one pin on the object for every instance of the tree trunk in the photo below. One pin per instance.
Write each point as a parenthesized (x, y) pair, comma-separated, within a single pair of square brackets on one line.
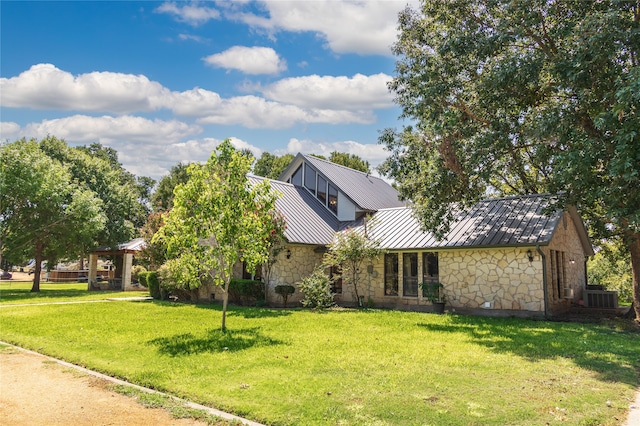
[(37, 268), (225, 299), (633, 244)]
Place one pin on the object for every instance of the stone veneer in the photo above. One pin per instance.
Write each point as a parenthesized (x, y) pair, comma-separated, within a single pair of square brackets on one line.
[(495, 280)]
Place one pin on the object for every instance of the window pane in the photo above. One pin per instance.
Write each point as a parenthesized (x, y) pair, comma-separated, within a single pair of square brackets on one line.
[(391, 274), (410, 274), (296, 178), (430, 272), (310, 178), (333, 199), (322, 190)]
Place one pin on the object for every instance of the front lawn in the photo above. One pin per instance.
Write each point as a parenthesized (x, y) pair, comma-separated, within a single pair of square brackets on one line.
[(20, 293), (348, 367)]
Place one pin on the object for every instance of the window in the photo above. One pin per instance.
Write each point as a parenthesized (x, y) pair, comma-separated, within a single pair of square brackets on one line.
[(247, 275), (310, 178), (410, 274), (296, 177), (333, 199), (430, 273), (391, 274), (336, 280), (322, 190), (558, 273)]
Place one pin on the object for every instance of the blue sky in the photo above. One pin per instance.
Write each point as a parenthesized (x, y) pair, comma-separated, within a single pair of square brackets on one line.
[(165, 82)]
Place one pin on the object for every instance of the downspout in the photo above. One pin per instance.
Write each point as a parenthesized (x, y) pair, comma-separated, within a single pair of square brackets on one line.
[(544, 281)]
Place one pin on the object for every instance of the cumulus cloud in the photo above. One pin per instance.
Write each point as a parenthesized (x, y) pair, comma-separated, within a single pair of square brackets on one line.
[(191, 13), (254, 112), (373, 153), (44, 86), (9, 131), (363, 27), (249, 60), (359, 92), (83, 128)]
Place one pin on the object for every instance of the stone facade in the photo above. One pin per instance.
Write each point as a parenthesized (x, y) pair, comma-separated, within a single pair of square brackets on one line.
[(491, 281)]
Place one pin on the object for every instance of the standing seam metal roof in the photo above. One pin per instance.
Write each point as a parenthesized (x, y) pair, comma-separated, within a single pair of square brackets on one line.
[(500, 222), (366, 191), (308, 221)]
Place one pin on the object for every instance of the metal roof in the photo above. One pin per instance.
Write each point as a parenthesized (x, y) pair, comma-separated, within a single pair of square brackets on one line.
[(134, 245), (368, 192), (500, 222), (308, 221)]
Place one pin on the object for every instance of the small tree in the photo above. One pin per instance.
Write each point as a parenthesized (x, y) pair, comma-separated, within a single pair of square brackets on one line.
[(348, 251), (217, 220)]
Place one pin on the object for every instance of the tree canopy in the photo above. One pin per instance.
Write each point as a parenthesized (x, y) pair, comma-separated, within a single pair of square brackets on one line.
[(59, 202), (271, 166), (515, 97), (350, 160), (162, 198), (217, 220)]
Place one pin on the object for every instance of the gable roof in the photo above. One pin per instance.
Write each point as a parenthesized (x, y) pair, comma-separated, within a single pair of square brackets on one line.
[(308, 221), (500, 222), (367, 192)]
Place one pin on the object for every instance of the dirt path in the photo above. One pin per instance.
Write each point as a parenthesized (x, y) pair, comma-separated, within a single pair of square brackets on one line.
[(36, 391)]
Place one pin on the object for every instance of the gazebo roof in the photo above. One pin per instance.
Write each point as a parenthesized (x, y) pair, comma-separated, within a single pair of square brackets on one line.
[(132, 246)]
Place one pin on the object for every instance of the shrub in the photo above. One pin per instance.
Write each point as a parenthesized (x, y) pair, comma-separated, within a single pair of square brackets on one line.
[(246, 292), (285, 291), (153, 284), (142, 279), (317, 290), (136, 271)]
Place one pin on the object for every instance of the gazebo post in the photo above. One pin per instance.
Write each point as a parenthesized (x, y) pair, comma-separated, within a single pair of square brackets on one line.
[(127, 264)]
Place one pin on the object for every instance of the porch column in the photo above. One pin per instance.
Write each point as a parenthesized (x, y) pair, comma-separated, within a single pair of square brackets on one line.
[(93, 268), (127, 263)]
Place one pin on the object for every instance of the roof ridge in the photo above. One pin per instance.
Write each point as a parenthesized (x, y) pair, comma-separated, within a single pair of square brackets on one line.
[(306, 156)]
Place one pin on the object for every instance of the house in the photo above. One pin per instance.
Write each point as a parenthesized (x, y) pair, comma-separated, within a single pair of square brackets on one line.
[(505, 256)]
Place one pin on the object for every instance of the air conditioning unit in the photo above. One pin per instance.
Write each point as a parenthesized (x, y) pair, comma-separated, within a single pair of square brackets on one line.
[(600, 299), (568, 293)]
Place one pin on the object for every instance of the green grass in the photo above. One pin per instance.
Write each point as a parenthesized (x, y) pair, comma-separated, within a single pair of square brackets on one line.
[(20, 293), (347, 367)]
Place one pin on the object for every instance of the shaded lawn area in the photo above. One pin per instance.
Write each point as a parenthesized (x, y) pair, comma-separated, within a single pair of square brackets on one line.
[(20, 292), (299, 367)]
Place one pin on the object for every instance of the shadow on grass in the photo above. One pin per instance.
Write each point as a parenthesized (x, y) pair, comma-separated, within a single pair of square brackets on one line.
[(612, 355), (213, 341), (249, 312)]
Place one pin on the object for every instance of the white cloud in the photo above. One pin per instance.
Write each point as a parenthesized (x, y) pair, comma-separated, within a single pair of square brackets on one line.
[(190, 37), (192, 13), (82, 128), (373, 153), (363, 27), (9, 131), (249, 60), (44, 86), (254, 112), (359, 92)]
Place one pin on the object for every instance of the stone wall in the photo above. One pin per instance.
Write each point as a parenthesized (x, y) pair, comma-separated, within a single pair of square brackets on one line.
[(301, 263), (493, 280)]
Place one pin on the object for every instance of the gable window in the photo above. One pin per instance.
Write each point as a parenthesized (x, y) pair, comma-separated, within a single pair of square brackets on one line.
[(391, 274), (333, 199), (430, 273), (322, 190), (410, 274), (310, 178), (296, 177)]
